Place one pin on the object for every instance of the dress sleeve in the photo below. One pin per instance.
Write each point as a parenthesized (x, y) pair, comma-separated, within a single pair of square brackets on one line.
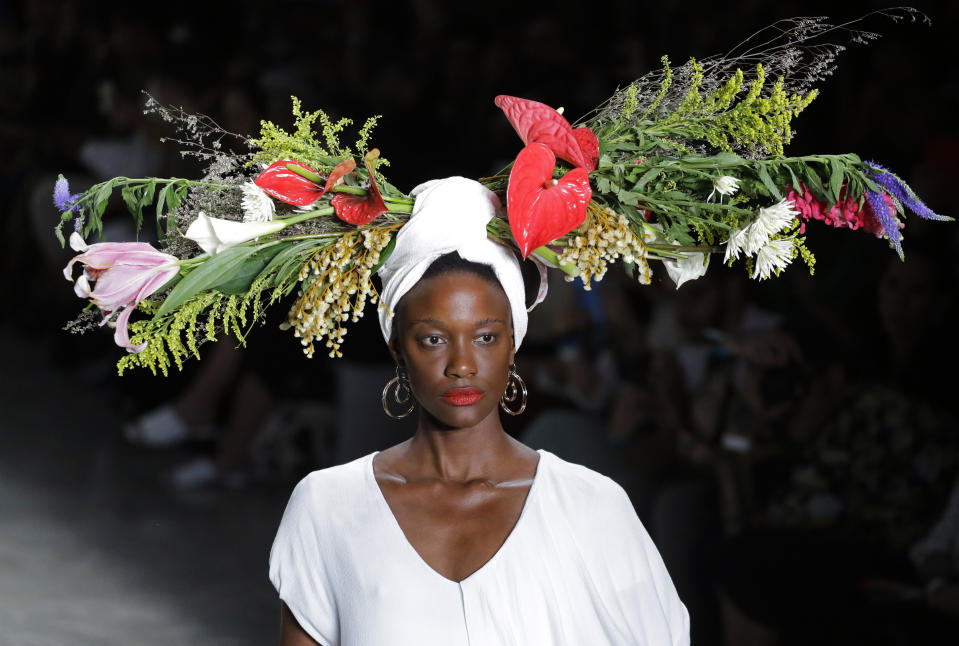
[(300, 564), (650, 606)]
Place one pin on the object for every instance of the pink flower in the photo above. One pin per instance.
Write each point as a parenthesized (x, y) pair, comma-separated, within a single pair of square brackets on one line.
[(844, 214), (124, 273)]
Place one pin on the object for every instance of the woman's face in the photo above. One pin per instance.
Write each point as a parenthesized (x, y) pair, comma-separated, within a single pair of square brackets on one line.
[(454, 336)]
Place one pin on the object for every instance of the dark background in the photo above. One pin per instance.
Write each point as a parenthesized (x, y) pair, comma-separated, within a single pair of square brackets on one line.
[(71, 73)]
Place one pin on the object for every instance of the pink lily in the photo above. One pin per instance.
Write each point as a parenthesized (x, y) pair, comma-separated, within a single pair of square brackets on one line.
[(124, 274)]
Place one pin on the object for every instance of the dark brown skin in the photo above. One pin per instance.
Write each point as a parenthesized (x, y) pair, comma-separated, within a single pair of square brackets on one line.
[(458, 486)]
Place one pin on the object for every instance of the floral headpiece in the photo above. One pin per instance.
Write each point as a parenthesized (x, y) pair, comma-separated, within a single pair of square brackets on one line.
[(680, 164)]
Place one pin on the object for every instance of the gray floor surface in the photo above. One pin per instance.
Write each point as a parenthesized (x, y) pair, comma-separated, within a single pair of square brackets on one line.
[(94, 549)]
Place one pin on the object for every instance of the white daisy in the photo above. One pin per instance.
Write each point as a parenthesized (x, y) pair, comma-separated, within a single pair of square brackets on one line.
[(773, 257), (257, 205)]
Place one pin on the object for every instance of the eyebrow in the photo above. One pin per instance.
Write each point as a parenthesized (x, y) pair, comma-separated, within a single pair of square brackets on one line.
[(433, 321), (487, 321)]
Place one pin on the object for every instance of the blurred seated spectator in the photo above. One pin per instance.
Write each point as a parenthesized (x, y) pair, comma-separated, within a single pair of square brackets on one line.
[(834, 482), (243, 401)]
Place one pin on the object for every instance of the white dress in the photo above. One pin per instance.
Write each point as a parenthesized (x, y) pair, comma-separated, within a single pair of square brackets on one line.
[(578, 568)]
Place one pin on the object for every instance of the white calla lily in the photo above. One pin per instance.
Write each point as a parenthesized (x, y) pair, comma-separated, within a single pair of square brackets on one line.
[(690, 267), (215, 234)]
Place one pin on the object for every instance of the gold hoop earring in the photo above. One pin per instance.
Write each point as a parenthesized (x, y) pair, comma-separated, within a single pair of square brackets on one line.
[(515, 386), (402, 393)]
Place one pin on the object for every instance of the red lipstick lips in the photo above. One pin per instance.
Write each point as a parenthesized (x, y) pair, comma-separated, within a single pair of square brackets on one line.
[(463, 396)]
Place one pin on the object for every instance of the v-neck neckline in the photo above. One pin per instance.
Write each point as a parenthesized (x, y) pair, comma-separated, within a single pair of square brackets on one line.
[(527, 503)]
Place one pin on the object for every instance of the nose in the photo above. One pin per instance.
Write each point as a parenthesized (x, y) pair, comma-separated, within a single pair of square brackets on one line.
[(461, 361)]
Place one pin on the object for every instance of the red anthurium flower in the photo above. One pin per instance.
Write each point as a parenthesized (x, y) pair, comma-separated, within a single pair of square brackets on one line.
[(360, 209), (345, 167), (538, 123), (287, 186), (540, 208), (589, 144)]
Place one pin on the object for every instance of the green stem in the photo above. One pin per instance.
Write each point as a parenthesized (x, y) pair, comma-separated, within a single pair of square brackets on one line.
[(310, 236), (309, 215), (678, 249), (306, 173), (551, 256)]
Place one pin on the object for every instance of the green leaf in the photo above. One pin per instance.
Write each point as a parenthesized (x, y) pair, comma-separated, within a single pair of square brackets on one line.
[(173, 199), (132, 200), (100, 201), (797, 185), (815, 183), (161, 202), (244, 276), (294, 250), (294, 262), (103, 195), (726, 159), (768, 182), (212, 272), (625, 197), (678, 233), (835, 178), (603, 185), (646, 178), (146, 199)]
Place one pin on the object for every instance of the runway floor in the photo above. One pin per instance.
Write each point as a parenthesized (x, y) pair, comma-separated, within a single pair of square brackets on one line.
[(94, 549)]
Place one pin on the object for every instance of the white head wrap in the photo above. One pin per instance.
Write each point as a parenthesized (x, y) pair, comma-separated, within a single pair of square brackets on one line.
[(450, 215)]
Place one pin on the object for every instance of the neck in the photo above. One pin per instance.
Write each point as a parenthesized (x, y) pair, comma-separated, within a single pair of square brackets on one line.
[(462, 454)]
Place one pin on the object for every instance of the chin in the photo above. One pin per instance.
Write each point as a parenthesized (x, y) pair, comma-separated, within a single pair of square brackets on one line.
[(449, 417)]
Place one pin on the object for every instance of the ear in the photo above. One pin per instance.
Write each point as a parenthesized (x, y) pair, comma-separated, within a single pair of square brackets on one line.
[(395, 352)]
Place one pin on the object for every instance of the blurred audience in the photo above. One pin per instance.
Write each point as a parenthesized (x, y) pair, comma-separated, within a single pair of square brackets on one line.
[(790, 445)]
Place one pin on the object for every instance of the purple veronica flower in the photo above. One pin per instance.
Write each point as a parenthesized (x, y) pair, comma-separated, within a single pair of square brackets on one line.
[(889, 223), (901, 191), (62, 198)]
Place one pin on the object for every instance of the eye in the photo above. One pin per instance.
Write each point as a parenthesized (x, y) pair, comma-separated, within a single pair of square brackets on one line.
[(486, 339), (432, 340)]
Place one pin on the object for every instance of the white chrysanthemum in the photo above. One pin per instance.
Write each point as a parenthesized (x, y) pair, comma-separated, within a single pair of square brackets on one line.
[(257, 205), (777, 217), (735, 245), (773, 257), (724, 185), (756, 238)]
